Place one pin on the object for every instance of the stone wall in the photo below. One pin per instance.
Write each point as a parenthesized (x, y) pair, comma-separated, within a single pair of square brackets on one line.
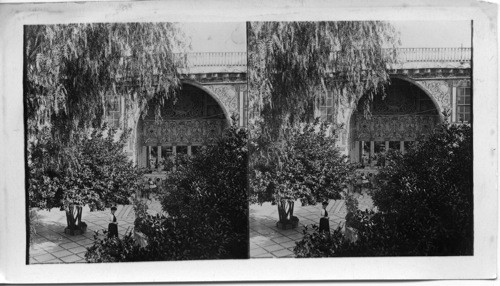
[(229, 96)]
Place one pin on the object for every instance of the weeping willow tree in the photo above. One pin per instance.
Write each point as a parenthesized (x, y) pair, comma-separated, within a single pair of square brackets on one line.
[(71, 71), (292, 67)]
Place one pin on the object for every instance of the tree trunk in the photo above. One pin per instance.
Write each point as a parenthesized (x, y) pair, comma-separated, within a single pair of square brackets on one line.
[(285, 210), (74, 216)]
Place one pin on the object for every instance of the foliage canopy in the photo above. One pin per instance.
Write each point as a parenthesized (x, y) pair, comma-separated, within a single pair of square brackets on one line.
[(72, 69), (93, 171), (425, 203), (306, 165), (292, 65), (207, 204)]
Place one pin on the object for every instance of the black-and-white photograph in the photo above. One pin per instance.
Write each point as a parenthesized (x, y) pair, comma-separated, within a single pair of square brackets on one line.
[(361, 139), (136, 142), (248, 141)]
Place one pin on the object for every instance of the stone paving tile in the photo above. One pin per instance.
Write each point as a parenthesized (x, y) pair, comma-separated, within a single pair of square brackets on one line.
[(39, 251), (44, 258), (69, 245), (283, 253), (296, 236), (77, 250), (70, 258), (288, 244), (253, 246), (81, 255), (258, 251), (265, 242), (54, 249), (78, 238), (62, 253), (273, 247), (264, 255), (86, 241), (54, 261), (48, 245), (281, 239)]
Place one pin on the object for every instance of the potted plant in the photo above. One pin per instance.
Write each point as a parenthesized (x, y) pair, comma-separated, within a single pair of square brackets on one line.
[(94, 172), (307, 166)]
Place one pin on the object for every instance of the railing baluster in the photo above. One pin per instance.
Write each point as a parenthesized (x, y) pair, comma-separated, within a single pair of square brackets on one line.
[(232, 59)]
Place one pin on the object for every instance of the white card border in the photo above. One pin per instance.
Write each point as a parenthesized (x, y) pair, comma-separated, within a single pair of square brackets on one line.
[(12, 197)]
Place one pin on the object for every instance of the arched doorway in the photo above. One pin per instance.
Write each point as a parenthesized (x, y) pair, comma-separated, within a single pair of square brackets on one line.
[(191, 120), (398, 118)]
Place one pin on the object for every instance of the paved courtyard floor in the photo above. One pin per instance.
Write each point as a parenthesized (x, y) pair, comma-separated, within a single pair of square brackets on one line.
[(267, 241), (52, 245)]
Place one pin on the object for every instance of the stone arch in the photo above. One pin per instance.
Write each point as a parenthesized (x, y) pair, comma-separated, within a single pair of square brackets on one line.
[(437, 104), (196, 117), (407, 112), (225, 108), (432, 91)]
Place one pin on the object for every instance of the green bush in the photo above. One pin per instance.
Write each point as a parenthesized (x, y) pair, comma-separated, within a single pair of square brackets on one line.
[(305, 166), (427, 194), (93, 170), (316, 244), (107, 249), (425, 203), (207, 204), (208, 194)]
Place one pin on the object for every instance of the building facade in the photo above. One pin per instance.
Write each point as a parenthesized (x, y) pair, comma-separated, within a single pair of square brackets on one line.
[(427, 85), (213, 95)]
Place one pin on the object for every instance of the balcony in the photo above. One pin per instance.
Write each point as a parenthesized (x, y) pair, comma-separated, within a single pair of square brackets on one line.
[(214, 62), (407, 55), (222, 62)]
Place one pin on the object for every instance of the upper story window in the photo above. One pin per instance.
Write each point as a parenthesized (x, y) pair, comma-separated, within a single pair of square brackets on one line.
[(113, 111), (463, 104), (326, 107)]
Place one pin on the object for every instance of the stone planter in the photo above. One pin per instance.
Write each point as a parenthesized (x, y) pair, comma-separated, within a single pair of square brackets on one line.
[(76, 231), (289, 224)]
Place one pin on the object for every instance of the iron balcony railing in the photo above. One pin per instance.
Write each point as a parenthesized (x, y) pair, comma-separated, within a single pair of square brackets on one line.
[(214, 59), (406, 55), (403, 55)]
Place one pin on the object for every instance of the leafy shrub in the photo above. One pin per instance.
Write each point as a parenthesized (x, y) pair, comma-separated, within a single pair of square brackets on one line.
[(425, 203), (306, 165), (207, 195), (426, 194), (321, 244), (107, 249), (167, 239), (206, 200), (93, 170)]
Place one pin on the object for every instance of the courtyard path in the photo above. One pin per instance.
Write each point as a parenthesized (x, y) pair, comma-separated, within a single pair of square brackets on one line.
[(267, 241), (52, 245)]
